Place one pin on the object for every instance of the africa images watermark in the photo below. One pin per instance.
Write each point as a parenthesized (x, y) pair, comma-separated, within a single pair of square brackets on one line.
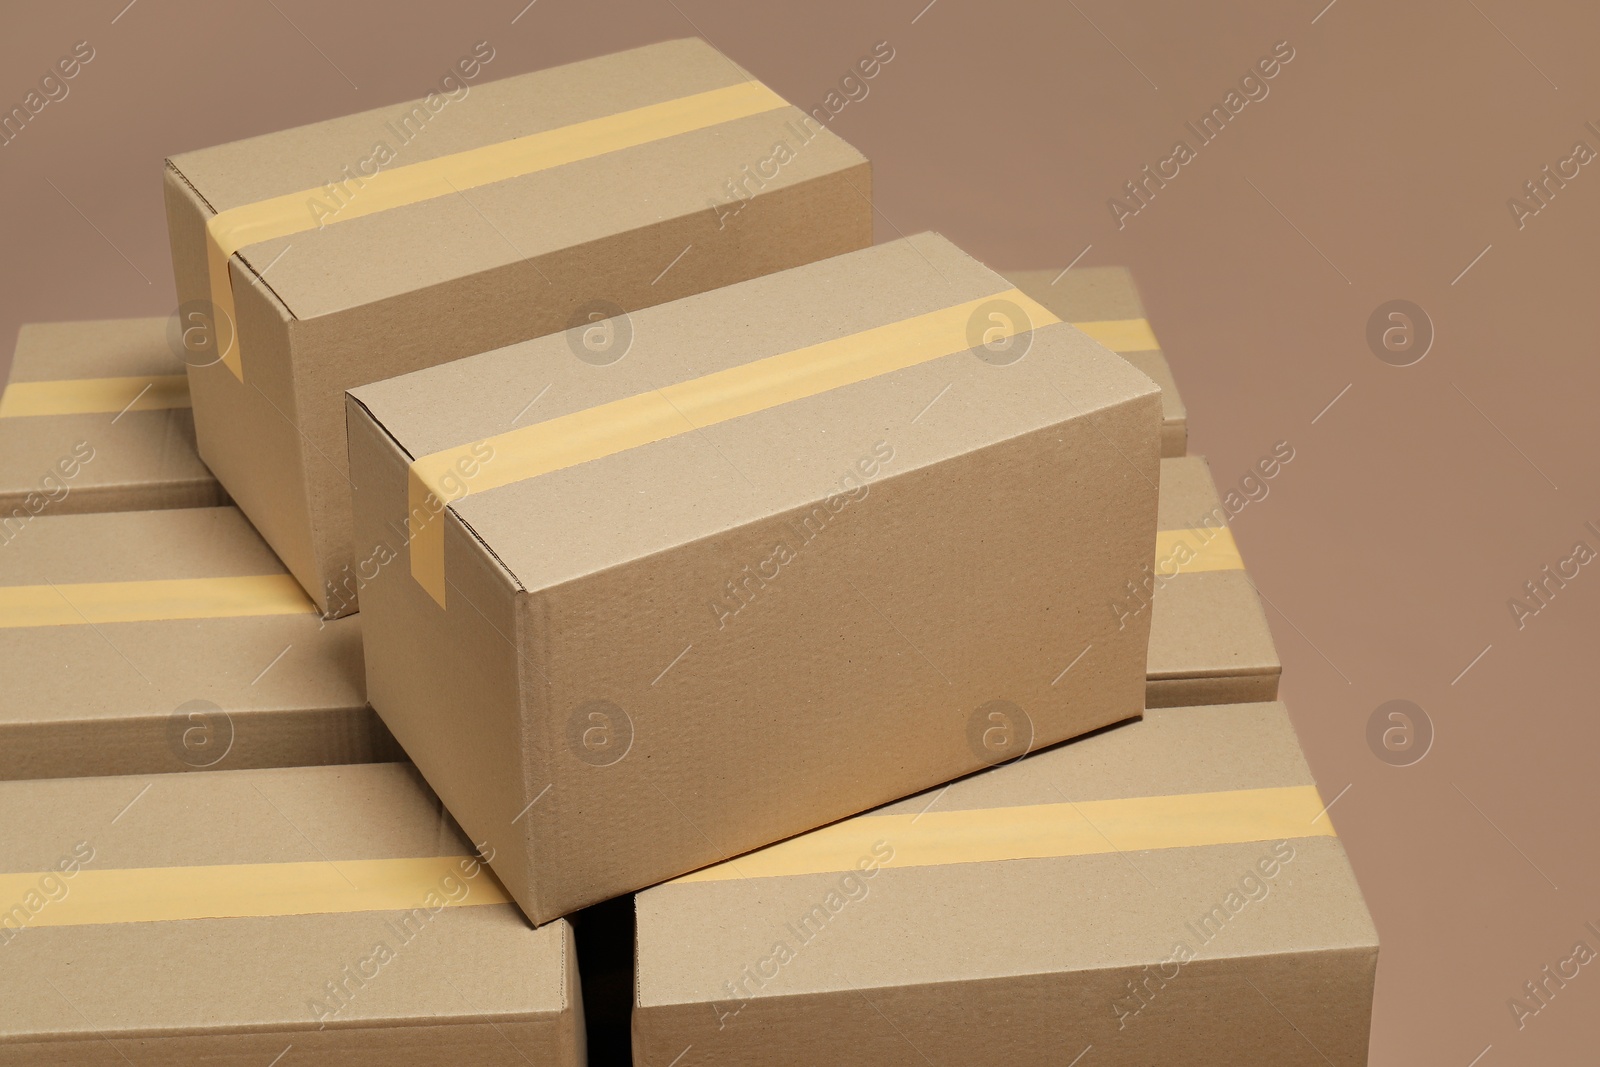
[(753, 179), (51, 887), (344, 589), (1253, 887), (452, 889), (1538, 192), (1253, 88), (1552, 979), (52, 489), (851, 887), (1254, 487), (53, 88), (405, 127), (1538, 592)]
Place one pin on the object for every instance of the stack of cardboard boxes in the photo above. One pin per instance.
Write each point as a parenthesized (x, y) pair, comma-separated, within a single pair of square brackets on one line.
[(712, 555)]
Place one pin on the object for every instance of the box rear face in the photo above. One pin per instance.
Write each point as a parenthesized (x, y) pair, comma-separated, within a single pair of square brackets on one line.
[(1113, 892), (525, 206), (722, 636), (96, 417), (328, 915), (155, 641)]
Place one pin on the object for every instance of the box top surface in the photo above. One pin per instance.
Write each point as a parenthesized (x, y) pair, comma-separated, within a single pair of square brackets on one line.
[(1208, 621), (125, 614), (230, 974), (993, 917), (99, 348), (339, 260), (635, 503), (106, 402), (127, 546)]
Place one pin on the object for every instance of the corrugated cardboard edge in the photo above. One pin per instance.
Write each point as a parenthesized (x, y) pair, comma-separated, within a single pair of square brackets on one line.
[(283, 518)]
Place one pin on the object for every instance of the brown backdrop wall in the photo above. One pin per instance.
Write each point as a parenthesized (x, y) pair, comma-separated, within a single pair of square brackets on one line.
[(1378, 166)]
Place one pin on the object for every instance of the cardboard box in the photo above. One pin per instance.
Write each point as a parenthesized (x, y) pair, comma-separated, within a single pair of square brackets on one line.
[(148, 641), (786, 561), (327, 916), (1209, 638), (1166, 891), (95, 417), (322, 258), (1103, 302)]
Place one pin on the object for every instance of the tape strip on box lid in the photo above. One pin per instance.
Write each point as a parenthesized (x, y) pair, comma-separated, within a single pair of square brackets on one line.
[(243, 890), (683, 407), (92, 603), (281, 216), (1039, 831)]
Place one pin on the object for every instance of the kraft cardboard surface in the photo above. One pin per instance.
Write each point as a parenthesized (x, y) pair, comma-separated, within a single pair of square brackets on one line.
[(1106, 302), (1209, 638), (1165, 891), (322, 916), (95, 417), (151, 641), (414, 234), (678, 644)]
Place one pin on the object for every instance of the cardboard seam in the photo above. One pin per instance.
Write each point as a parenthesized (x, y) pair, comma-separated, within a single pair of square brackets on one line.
[(254, 274), (448, 507), (523, 603)]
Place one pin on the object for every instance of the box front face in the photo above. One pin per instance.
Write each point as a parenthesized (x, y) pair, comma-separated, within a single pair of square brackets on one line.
[(334, 910), (146, 642), (96, 418), (1113, 892), (534, 202)]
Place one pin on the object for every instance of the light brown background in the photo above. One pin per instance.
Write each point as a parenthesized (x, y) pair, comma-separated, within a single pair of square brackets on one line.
[(1378, 167)]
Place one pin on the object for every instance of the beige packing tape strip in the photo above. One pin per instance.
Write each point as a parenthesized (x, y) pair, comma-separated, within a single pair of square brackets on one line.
[(1204, 548), (229, 231), (245, 890), (1040, 831), (683, 407), (93, 396), (91, 603), (1122, 335)]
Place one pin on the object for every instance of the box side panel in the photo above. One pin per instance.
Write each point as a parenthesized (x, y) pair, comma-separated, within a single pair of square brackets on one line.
[(158, 744), (1196, 692), (1308, 1009), (246, 431), (445, 683), (1210, 625), (501, 1043), (795, 671)]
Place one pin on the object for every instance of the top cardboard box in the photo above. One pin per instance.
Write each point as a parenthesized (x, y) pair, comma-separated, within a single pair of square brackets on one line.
[(95, 417), (819, 540), (1104, 303), (319, 259)]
